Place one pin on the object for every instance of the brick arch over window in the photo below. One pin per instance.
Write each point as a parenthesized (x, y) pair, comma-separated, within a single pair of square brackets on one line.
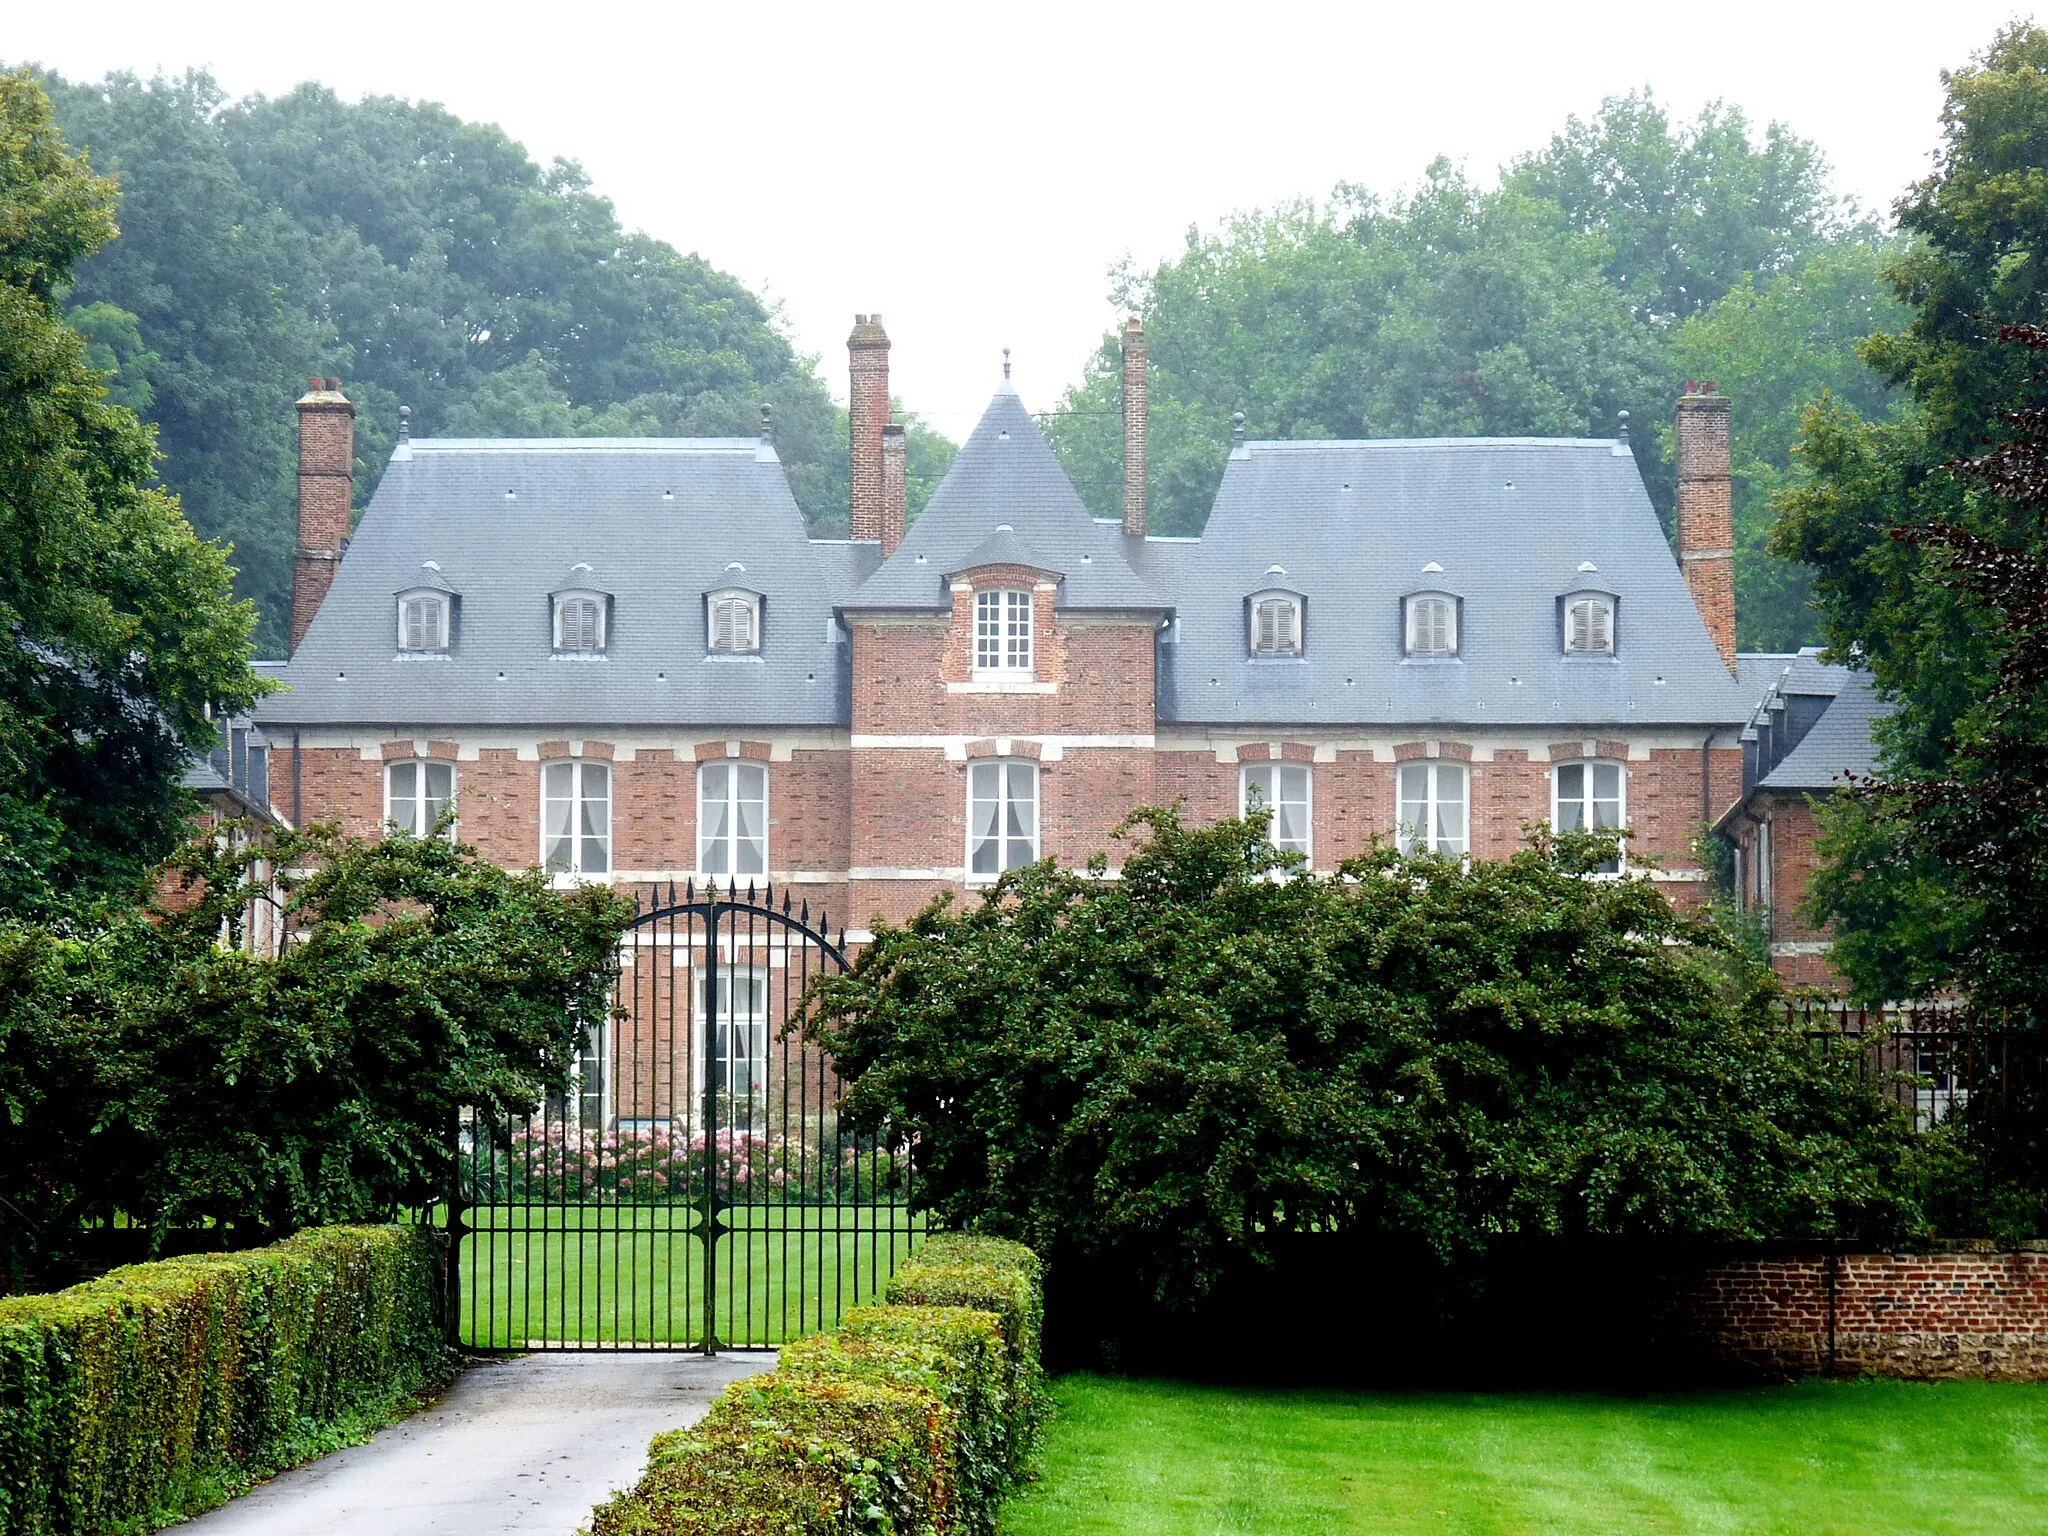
[(1048, 649)]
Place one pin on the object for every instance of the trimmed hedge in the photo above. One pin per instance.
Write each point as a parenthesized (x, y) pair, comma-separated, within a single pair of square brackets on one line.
[(914, 1419), (159, 1388)]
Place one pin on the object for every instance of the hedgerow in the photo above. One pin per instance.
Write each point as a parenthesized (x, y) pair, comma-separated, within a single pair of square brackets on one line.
[(914, 1419), (160, 1388)]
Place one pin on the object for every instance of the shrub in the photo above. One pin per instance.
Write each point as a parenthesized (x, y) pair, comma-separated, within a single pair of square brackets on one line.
[(912, 1420), (150, 1392)]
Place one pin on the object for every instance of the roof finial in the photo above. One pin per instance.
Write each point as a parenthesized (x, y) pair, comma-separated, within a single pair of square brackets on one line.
[(1237, 429), (1006, 362), (1621, 426), (405, 423), (767, 424)]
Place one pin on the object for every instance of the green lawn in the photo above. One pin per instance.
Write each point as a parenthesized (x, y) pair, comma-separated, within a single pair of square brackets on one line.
[(611, 1274), (1863, 1458)]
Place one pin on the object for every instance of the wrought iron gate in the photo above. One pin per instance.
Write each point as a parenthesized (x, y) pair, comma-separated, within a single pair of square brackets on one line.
[(693, 1188)]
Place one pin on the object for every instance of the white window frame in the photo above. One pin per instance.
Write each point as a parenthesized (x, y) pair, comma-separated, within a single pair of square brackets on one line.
[(1273, 784), (735, 601), (1287, 604), (602, 603), (444, 604), (1411, 611), (757, 979), (1600, 624), (414, 819), (1585, 806), (1442, 772), (1003, 775), (719, 840), (1003, 639), (579, 773)]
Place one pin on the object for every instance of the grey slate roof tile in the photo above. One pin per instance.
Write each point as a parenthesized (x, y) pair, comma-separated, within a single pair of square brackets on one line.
[(661, 521), (1839, 742)]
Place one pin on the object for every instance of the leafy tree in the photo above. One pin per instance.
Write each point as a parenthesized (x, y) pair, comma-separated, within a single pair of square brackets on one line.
[(1872, 492), (427, 261), (117, 627), (1164, 1077), (150, 1070)]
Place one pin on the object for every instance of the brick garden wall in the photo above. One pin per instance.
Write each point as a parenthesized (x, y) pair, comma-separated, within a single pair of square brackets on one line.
[(1930, 1316)]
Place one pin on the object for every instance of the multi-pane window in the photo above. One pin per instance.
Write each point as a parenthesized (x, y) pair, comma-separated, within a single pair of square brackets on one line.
[(1282, 790), (734, 620), (1432, 816), (1432, 625), (1002, 631), (1589, 626), (738, 1007), (576, 817), (1276, 625), (423, 622), (417, 795), (1589, 799), (1002, 815), (732, 818), (579, 621)]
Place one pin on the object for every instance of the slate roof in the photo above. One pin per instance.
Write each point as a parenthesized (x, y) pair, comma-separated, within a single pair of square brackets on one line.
[(1006, 473), (1509, 520), (660, 522), (1838, 743)]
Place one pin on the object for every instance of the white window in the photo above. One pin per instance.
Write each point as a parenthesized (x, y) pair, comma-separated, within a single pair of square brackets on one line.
[(732, 818), (1589, 799), (1589, 626), (417, 795), (1002, 816), (738, 1009), (1275, 625), (1433, 812), (580, 621), (1432, 625), (1002, 632), (1281, 788), (576, 817), (423, 621), (734, 620)]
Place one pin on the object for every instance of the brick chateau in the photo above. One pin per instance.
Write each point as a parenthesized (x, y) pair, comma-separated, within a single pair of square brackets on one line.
[(624, 659)]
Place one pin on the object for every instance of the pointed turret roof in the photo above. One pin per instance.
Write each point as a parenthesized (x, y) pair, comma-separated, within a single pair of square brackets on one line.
[(1007, 475)]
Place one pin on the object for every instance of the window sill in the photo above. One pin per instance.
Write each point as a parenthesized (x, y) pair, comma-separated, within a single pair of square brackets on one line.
[(441, 655), (1431, 658), (1002, 685), (578, 656), (753, 656)]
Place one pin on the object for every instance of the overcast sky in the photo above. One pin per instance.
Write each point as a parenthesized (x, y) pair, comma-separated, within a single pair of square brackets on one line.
[(974, 171)]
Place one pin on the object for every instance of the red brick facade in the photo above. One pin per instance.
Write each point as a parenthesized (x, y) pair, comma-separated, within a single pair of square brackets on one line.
[(1776, 858)]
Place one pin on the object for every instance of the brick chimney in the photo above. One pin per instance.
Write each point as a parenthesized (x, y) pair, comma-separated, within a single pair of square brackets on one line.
[(867, 410), (327, 478), (892, 488), (1706, 514), (1134, 427)]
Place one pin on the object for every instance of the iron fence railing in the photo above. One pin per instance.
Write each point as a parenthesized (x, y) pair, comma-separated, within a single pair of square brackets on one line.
[(1931, 1058)]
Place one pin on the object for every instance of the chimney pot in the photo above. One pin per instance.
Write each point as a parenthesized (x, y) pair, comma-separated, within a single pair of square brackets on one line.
[(1135, 424), (1706, 512)]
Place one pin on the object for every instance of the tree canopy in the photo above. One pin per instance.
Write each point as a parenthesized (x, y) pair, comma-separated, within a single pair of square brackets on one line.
[(118, 630), (428, 262), (1627, 255)]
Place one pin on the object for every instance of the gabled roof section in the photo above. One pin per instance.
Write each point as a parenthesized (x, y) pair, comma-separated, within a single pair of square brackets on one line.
[(1003, 547), (1006, 473), (1510, 521), (1839, 743), (659, 520)]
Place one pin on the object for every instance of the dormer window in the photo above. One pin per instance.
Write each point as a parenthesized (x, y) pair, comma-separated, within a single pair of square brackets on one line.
[(733, 622), (423, 621), (581, 621), (1002, 633), (1432, 624), (1589, 624), (1275, 624)]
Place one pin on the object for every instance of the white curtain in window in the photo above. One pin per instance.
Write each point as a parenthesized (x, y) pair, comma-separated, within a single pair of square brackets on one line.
[(1276, 624), (1281, 788), (421, 626), (1589, 799), (1589, 625), (738, 1007), (576, 817), (1432, 817), (420, 794), (1432, 625), (732, 818), (1002, 816)]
